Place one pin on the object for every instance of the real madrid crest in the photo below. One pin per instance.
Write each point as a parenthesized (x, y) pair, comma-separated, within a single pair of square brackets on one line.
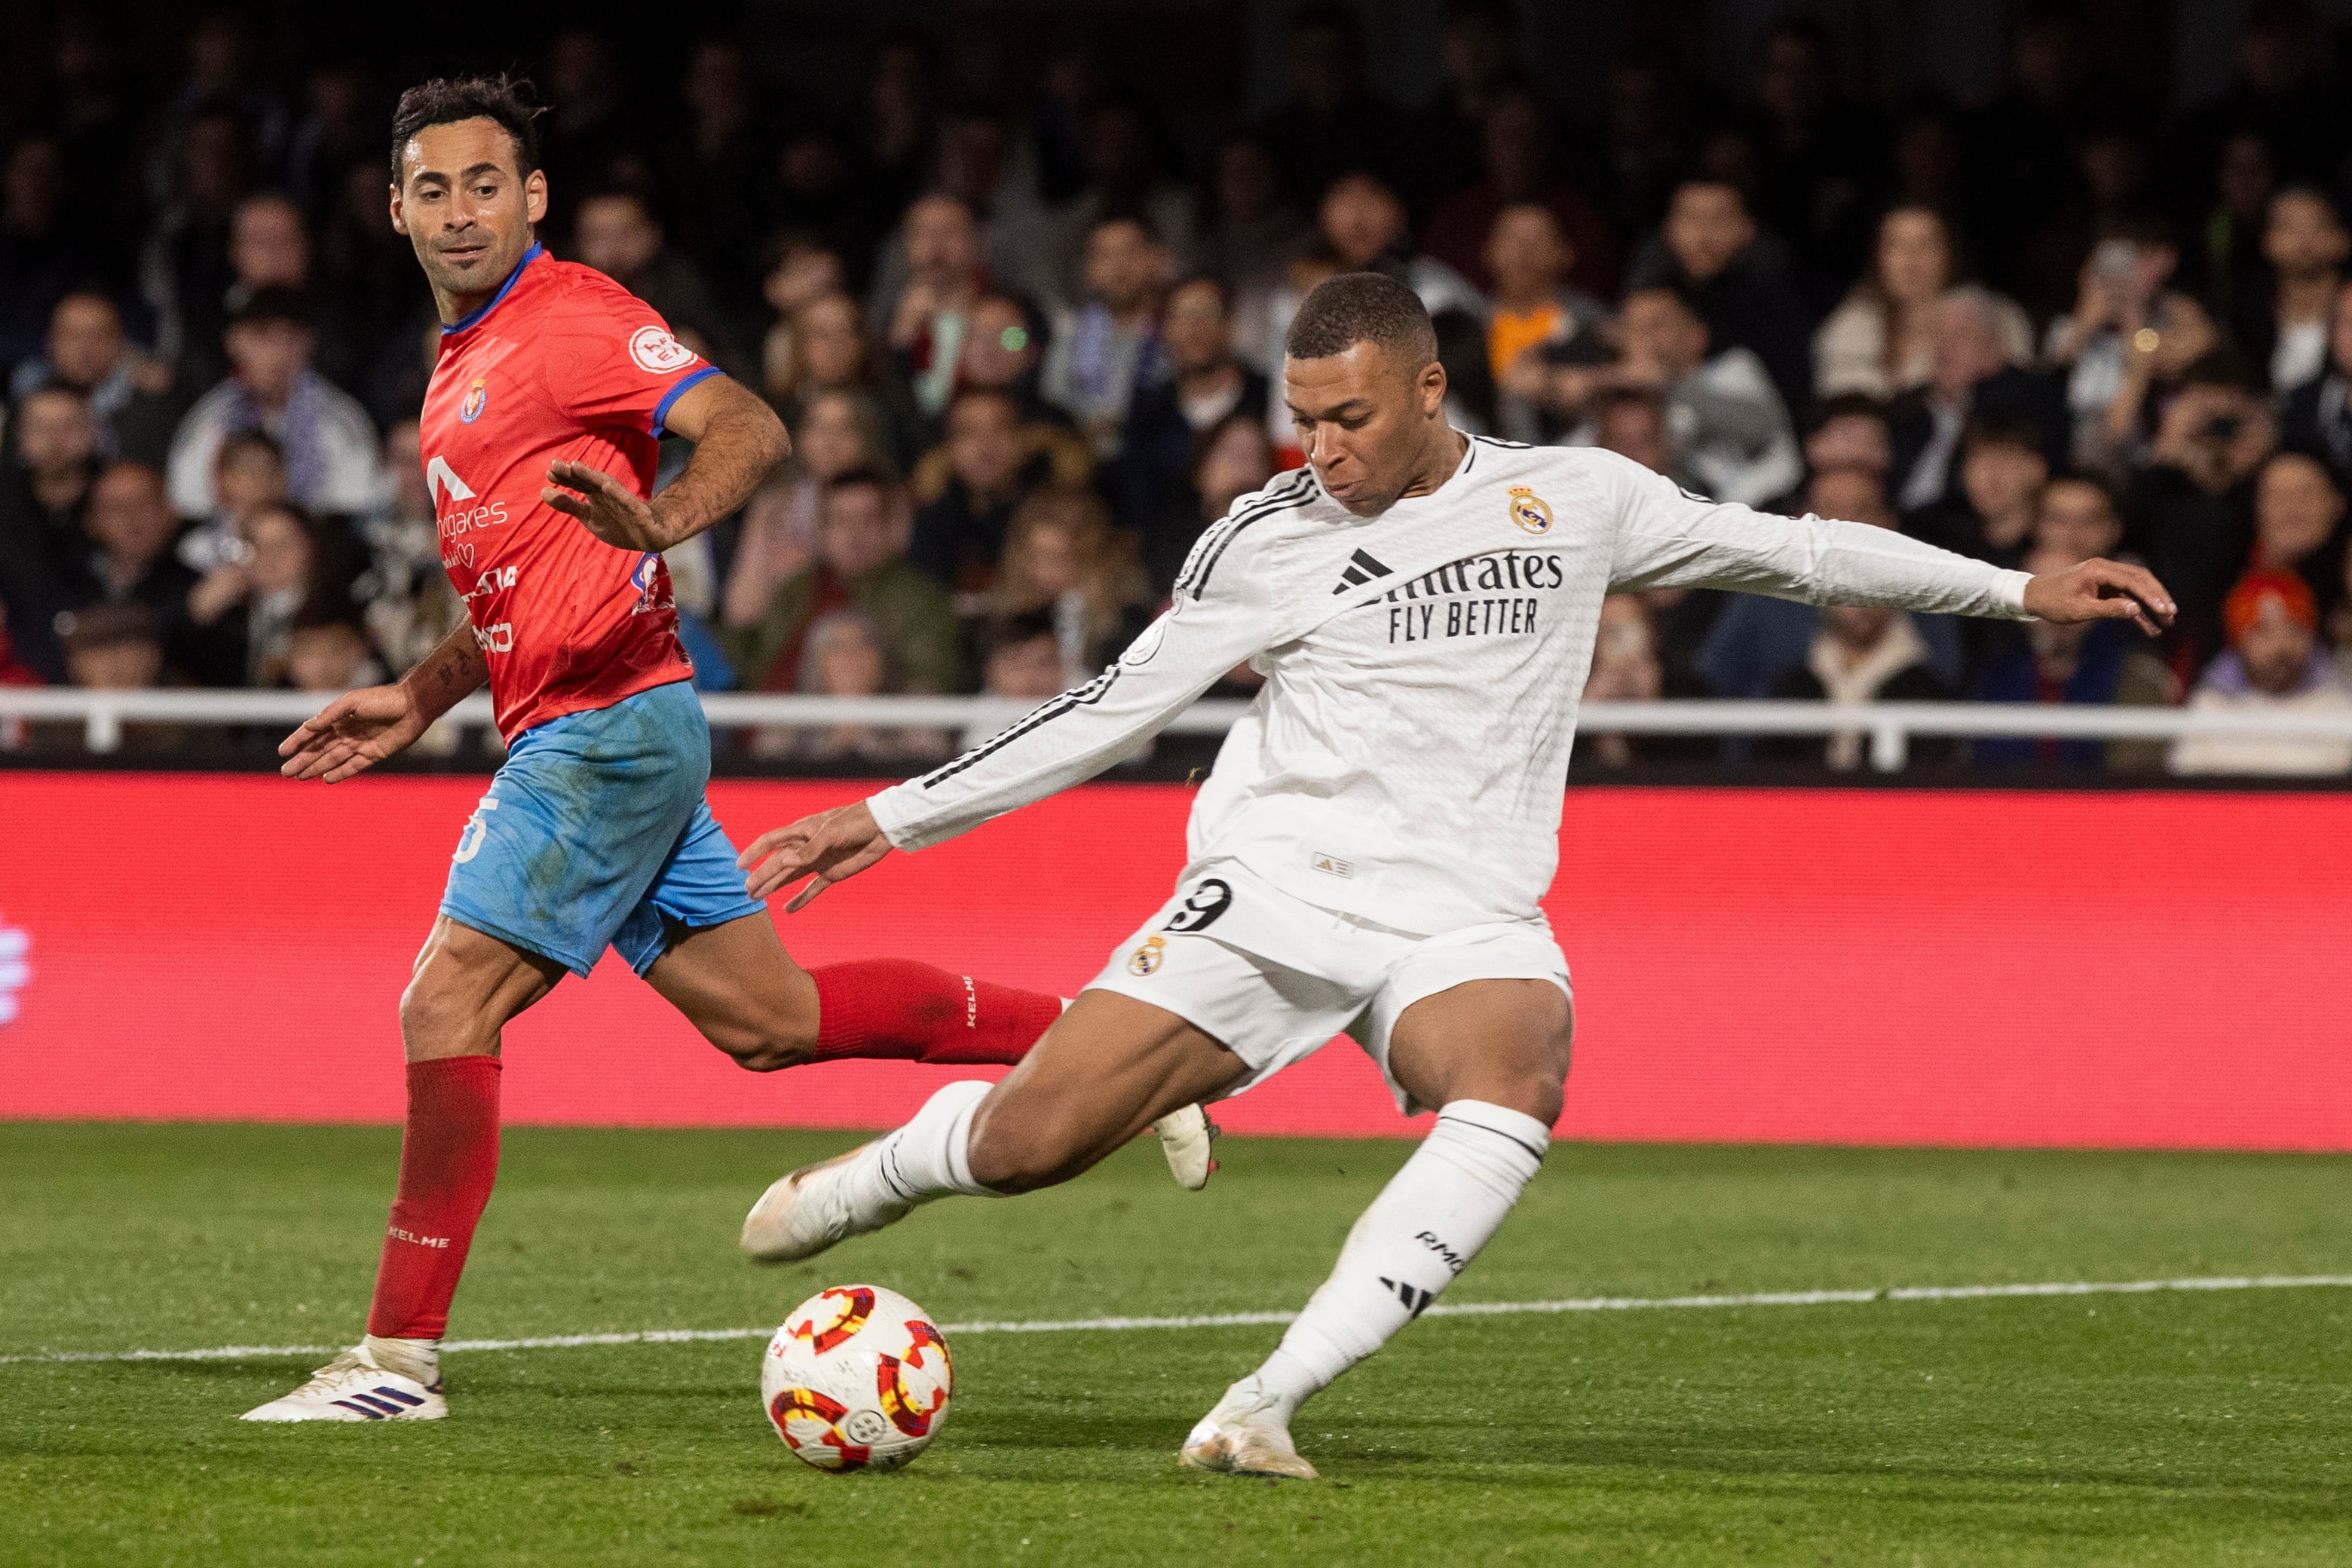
[(1530, 511), (478, 397), (1148, 957)]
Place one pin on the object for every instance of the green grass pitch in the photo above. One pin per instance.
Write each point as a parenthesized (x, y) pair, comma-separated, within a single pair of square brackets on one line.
[(2153, 1429)]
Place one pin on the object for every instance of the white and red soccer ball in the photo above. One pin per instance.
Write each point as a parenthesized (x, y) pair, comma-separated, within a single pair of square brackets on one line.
[(857, 1379)]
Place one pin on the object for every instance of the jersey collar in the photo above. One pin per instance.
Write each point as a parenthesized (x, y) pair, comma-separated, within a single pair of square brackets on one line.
[(474, 319)]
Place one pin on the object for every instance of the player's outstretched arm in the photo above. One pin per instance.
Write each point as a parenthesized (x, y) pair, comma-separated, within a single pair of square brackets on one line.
[(2099, 590), (737, 440), (360, 729), (829, 847)]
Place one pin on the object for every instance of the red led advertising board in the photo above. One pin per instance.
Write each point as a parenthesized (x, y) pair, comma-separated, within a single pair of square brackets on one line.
[(2152, 969)]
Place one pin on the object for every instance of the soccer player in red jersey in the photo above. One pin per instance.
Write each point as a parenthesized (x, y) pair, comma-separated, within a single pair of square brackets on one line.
[(541, 430)]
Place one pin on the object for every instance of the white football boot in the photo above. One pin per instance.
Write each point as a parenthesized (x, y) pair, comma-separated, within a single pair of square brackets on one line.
[(803, 1213), (355, 1386), (1248, 1434), (1188, 1138)]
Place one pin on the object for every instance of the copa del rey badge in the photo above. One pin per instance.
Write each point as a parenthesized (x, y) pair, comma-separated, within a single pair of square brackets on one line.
[(1530, 511), (656, 352)]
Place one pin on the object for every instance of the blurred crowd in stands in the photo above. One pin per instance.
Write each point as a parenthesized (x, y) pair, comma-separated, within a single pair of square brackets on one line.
[(1024, 351)]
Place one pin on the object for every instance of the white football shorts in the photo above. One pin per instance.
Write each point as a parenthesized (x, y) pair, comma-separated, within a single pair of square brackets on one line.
[(1273, 978)]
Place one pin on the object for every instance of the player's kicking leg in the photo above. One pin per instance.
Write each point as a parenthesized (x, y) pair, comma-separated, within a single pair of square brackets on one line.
[(1112, 1067), (465, 986), (1493, 1056)]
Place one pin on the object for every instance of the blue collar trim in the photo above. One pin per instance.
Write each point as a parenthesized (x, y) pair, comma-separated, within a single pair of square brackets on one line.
[(506, 288)]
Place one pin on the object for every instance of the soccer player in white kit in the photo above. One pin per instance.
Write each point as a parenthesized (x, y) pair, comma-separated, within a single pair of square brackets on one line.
[(1368, 855)]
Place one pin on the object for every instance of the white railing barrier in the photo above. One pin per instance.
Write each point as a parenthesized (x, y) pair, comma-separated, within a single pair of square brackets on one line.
[(1890, 725)]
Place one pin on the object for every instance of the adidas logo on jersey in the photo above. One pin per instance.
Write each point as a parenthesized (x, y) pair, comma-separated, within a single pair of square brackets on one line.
[(1363, 566)]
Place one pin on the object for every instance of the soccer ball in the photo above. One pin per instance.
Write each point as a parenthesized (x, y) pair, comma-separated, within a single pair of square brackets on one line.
[(857, 1379)]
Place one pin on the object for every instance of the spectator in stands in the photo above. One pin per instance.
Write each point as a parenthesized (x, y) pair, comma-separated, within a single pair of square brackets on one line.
[(1631, 421), (2191, 501), (407, 602), (1063, 557), (1021, 657), (615, 233), (1879, 340), (45, 487), (1231, 459), (1992, 514), (840, 433), (113, 648), (1206, 383), (1861, 654), (248, 474), (129, 395), (861, 565), (2078, 518), (243, 609), (1726, 428), (2156, 360), (1109, 347), (1537, 320), (989, 461), (2298, 519), (846, 655), (1754, 642), (1710, 250), (2273, 664), (1968, 374), (1625, 668), (1005, 352), (1849, 430), (127, 553), (40, 258), (1365, 222), (2317, 417), (327, 650), (2125, 286), (1251, 235), (802, 269), (1123, 180), (1514, 150), (2286, 331), (925, 324), (328, 443), (2100, 664)]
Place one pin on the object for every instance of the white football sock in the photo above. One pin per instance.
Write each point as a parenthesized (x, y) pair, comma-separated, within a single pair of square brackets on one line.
[(930, 1157), (417, 1359), (1426, 1226)]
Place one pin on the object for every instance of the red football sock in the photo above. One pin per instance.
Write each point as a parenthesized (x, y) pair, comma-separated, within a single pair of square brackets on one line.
[(897, 1009), (448, 1158)]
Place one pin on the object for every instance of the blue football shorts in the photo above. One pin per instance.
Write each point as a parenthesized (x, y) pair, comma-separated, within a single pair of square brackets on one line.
[(596, 833)]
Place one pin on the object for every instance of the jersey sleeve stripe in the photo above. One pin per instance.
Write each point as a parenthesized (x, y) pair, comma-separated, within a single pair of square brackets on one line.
[(1091, 693), (1211, 542), (661, 409), (1200, 584)]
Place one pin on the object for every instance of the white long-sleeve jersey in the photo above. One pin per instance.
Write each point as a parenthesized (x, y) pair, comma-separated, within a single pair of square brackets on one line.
[(1406, 760)]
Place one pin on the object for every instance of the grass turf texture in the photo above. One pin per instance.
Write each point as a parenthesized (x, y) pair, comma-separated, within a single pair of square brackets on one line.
[(2151, 1429)]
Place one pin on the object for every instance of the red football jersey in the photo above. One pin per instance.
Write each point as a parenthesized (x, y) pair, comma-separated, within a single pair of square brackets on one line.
[(562, 365)]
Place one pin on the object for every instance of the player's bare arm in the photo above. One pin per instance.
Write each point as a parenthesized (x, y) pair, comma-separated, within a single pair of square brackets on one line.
[(738, 440), (361, 729)]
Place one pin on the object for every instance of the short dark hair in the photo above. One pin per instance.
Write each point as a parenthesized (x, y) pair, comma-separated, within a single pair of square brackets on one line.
[(1001, 632), (1362, 308), (274, 303), (862, 476), (2003, 430), (1843, 406), (445, 100)]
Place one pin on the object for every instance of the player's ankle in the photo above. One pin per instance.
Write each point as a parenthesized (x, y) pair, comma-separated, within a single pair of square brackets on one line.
[(417, 1359)]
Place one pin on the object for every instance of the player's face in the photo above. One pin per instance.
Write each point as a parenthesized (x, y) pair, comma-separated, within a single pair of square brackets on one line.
[(465, 207), (1363, 421)]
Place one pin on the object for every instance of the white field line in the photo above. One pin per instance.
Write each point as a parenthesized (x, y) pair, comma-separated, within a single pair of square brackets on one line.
[(1231, 1320)]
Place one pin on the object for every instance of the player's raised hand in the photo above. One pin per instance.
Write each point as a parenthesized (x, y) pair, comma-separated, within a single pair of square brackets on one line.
[(612, 510), (831, 845), (352, 734), (2099, 590)]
